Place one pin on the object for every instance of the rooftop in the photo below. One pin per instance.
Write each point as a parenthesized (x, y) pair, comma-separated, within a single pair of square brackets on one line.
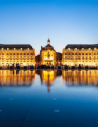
[(18, 46), (85, 46)]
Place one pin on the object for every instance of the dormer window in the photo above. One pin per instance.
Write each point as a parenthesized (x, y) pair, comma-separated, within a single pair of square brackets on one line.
[(14, 48), (21, 49), (94, 48), (28, 49), (76, 49), (7, 49), (82, 48), (2, 49), (68, 49), (89, 49)]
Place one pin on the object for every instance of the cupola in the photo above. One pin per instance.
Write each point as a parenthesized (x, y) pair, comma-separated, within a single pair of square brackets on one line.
[(48, 41)]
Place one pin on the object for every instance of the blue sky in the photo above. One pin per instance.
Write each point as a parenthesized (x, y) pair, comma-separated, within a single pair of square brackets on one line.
[(63, 21)]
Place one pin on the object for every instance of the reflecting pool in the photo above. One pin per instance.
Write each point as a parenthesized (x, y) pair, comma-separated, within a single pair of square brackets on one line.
[(49, 98)]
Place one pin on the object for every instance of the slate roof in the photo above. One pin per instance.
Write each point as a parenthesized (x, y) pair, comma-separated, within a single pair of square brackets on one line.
[(48, 46), (25, 46), (81, 46)]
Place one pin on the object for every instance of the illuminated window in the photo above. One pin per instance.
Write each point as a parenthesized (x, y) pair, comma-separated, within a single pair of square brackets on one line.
[(89, 48), (7, 48), (21, 49), (14, 48), (28, 49), (82, 48), (94, 48), (2, 49), (69, 49)]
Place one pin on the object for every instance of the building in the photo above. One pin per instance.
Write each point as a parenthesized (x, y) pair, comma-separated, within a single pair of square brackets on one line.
[(48, 55), (59, 59), (37, 59), (17, 55), (80, 55)]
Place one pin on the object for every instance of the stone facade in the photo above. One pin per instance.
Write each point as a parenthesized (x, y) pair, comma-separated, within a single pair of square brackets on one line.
[(80, 55), (16, 55), (48, 55)]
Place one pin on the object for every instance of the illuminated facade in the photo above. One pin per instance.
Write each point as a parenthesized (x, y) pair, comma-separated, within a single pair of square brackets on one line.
[(80, 55), (13, 55), (48, 55)]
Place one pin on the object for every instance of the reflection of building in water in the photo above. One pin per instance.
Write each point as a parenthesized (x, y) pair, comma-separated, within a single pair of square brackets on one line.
[(48, 76), (15, 78), (76, 77)]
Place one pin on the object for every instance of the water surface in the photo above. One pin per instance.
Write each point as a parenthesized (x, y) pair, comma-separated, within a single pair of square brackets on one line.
[(49, 98)]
